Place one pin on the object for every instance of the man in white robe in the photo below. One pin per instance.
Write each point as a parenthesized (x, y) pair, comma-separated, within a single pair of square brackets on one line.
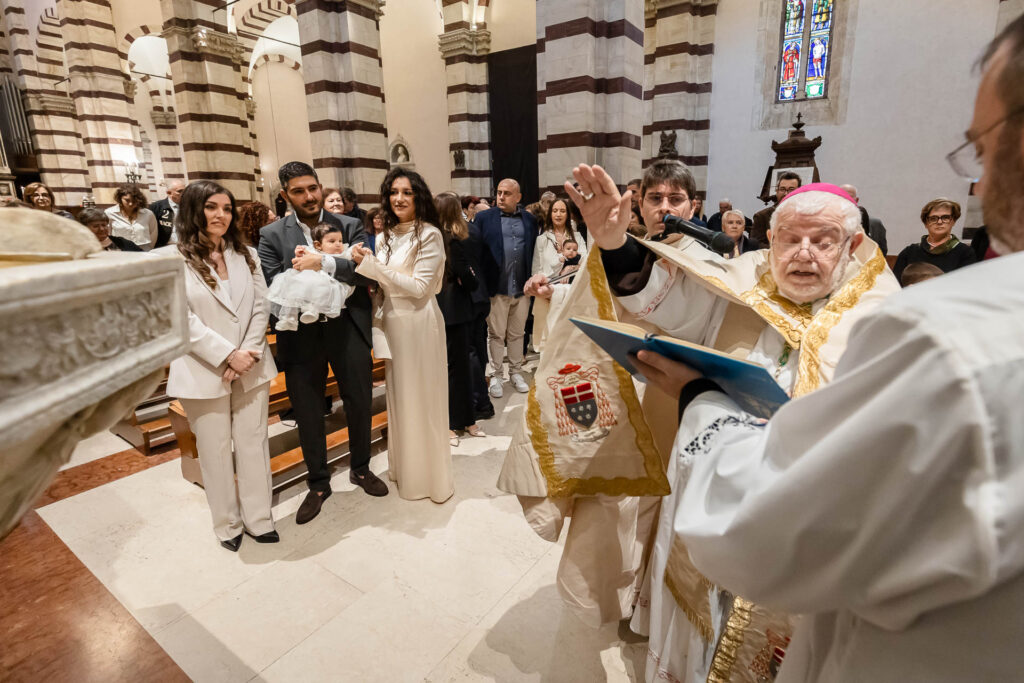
[(887, 507), (689, 294)]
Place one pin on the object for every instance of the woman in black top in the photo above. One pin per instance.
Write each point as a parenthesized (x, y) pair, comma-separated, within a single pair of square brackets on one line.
[(939, 247), (456, 304)]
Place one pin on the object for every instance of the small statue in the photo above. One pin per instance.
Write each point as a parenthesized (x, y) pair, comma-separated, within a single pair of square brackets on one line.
[(668, 145), (460, 159)]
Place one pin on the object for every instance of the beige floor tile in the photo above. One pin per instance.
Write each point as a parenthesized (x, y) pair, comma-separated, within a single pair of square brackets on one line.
[(246, 629), (390, 634)]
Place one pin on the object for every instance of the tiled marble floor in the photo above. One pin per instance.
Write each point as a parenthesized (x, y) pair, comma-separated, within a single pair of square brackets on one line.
[(372, 590)]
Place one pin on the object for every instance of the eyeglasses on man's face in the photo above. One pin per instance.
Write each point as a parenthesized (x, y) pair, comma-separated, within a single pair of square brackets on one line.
[(964, 160), (791, 245), (675, 200)]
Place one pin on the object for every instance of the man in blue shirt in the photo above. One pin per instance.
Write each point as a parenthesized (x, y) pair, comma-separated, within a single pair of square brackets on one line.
[(509, 233)]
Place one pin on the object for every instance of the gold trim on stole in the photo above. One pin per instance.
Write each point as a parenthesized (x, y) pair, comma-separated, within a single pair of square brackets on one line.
[(655, 483), (816, 334)]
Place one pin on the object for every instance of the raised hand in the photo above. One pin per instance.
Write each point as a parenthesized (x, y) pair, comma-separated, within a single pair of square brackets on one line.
[(604, 210)]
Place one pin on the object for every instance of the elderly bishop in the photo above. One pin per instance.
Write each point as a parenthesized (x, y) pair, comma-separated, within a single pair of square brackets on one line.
[(789, 308)]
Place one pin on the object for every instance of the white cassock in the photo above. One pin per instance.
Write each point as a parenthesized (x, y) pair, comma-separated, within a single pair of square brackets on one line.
[(888, 507), (684, 309)]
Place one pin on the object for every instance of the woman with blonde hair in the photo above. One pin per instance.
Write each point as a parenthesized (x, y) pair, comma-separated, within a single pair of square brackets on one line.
[(223, 381), (409, 335)]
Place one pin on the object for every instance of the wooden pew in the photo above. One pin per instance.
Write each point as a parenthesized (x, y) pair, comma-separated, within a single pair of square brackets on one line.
[(283, 465)]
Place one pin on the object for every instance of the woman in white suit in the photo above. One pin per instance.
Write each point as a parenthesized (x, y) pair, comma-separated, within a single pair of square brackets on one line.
[(223, 382)]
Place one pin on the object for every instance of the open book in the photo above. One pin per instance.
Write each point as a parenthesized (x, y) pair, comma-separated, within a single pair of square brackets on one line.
[(749, 384)]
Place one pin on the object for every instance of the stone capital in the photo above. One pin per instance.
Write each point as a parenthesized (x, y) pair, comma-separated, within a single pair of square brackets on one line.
[(205, 41), (49, 103), (464, 41), (164, 118)]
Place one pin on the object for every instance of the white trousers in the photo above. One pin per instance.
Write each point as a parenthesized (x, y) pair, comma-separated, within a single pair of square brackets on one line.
[(241, 418), (506, 325)]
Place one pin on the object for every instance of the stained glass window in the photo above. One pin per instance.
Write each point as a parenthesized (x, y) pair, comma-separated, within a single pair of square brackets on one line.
[(805, 49)]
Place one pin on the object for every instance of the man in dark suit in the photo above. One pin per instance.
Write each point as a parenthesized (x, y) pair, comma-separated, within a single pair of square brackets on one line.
[(343, 342), (165, 210), (787, 182), (508, 233)]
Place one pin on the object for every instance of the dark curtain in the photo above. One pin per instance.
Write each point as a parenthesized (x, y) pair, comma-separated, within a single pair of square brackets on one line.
[(512, 97)]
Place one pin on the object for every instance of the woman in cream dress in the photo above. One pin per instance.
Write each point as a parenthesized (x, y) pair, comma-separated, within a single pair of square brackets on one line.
[(409, 336)]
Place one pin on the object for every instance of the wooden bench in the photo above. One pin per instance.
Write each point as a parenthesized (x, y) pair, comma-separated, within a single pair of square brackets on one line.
[(284, 466)]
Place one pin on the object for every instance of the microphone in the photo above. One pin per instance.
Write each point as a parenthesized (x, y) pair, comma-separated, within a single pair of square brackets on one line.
[(712, 239)]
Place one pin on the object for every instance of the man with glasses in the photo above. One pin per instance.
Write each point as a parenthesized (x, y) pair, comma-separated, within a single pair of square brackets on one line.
[(886, 507), (787, 182), (788, 309)]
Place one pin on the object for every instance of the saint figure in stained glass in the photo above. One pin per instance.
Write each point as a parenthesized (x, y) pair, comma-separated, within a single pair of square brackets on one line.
[(794, 17), (821, 18), (819, 52)]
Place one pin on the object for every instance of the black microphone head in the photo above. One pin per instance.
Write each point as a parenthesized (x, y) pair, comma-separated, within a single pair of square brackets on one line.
[(722, 243)]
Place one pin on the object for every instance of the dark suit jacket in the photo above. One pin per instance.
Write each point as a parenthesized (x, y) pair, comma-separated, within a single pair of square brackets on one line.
[(475, 255), (164, 221), (762, 223), (456, 297), (277, 249), (489, 223), (874, 229)]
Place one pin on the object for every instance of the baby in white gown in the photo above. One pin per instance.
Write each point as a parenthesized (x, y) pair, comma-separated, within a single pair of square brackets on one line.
[(303, 296)]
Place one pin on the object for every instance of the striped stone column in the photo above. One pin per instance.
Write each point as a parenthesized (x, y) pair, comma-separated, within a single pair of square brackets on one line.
[(99, 89), (341, 66), (590, 61), (209, 95), (171, 157), (50, 113), (679, 46), (464, 47)]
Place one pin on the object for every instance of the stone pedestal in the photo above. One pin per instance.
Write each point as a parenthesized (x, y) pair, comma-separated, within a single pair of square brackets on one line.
[(83, 342)]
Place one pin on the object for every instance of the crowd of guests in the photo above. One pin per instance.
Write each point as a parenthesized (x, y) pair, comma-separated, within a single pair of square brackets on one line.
[(433, 285)]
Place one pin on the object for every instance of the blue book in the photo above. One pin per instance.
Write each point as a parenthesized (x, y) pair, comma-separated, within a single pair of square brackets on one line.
[(750, 385)]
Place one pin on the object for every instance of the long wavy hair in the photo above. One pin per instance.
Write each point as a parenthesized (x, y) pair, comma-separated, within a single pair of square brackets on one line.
[(423, 205), (550, 226), (193, 242), (251, 217)]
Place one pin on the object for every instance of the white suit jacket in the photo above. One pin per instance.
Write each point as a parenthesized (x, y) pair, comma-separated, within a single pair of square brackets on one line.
[(219, 323)]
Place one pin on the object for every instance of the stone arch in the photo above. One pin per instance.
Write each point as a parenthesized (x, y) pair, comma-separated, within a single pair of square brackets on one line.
[(282, 59), (262, 15)]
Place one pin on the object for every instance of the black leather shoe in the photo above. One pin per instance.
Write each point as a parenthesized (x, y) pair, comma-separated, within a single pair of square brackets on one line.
[(310, 507), (269, 537), (369, 482), (233, 544)]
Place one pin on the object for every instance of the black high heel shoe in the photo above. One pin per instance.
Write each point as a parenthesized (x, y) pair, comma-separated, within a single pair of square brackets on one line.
[(233, 544), (269, 537)]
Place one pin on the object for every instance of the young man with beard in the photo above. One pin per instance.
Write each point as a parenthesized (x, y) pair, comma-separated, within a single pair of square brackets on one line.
[(343, 342), (886, 507)]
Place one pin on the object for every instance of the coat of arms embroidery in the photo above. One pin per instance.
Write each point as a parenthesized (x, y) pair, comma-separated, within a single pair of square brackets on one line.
[(581, 406)]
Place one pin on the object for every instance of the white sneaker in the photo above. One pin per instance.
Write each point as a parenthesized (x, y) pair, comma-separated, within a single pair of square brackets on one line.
[(494, 387), (519, 383)]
